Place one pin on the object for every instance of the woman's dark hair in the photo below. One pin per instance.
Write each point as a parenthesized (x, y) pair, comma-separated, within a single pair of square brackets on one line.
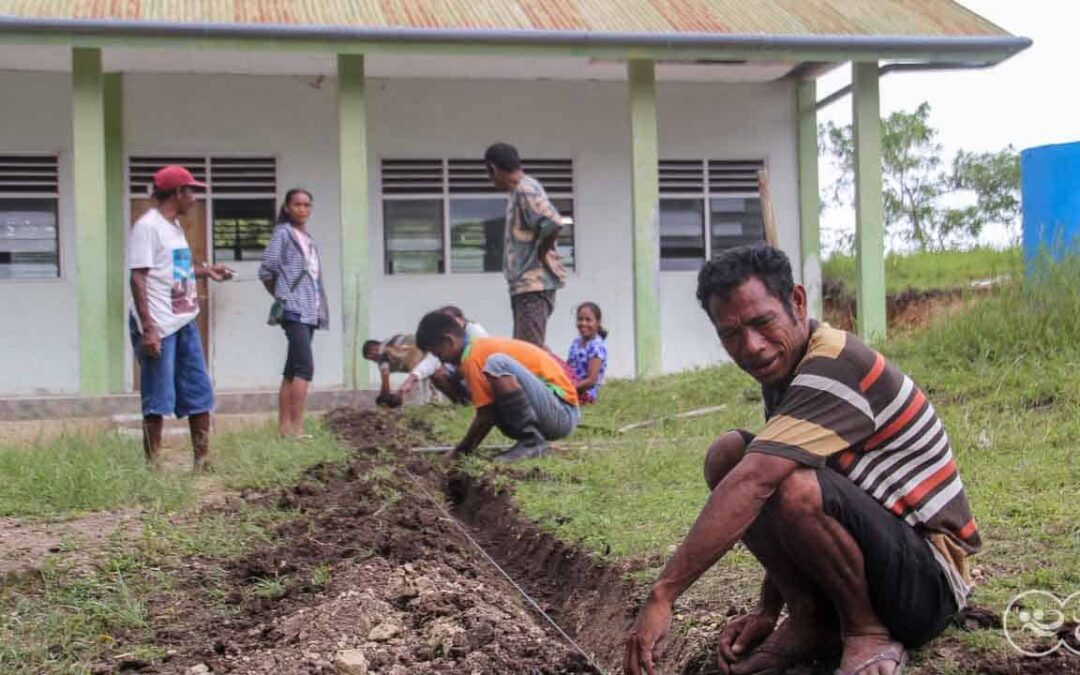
[(454, 311), (503, 156), (283, 214), (595, 309), (433, 327), (734, 267)]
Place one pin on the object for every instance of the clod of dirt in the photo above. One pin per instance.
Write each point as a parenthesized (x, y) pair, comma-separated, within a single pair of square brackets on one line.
[(388, 400), (384, 631), (978, 618), (351, 662)]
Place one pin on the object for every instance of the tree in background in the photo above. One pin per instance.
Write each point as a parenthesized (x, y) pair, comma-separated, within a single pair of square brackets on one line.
[(919, 197)]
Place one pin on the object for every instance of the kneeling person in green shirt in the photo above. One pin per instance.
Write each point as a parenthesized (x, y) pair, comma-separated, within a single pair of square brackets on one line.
[(518, 387)]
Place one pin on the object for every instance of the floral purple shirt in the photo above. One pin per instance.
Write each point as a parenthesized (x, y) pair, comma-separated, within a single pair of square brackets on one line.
[(579, 357)]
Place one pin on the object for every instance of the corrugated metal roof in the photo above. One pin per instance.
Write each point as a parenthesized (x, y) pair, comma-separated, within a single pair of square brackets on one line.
[(930, 18)]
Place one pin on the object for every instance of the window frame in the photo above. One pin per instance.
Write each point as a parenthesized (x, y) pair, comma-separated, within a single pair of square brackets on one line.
[(446, 196), (705, 195), (55, 196)]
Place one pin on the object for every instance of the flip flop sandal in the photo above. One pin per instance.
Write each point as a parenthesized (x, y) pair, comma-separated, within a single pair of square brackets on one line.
[(897, 655)]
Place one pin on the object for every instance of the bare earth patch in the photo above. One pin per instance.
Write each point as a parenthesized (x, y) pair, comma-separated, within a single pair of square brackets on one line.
[(25, 545)]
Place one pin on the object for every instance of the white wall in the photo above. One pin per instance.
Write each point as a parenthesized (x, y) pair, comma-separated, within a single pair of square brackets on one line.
[(39, 348), (747, 121), (291, 118)]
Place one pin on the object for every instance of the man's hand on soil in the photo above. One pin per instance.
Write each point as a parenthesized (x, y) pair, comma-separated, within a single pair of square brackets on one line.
[(741, 635), (652, 623)]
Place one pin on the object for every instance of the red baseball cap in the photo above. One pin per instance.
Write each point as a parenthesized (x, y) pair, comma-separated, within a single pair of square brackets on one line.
[(174, 176)]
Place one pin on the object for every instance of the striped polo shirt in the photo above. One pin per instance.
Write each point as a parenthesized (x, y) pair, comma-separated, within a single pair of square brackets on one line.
[(848, 408)]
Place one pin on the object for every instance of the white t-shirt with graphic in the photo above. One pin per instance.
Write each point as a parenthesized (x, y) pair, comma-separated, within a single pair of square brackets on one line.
[(160, 246)]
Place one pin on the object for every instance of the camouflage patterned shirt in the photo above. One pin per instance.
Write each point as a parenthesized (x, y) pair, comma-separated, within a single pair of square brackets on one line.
[(531, 218)]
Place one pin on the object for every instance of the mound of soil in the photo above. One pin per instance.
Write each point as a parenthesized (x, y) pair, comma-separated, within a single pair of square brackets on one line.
[(371, 573), (906, 311)]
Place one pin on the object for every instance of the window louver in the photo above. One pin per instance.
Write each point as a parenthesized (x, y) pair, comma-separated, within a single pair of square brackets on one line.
[(29, 175), (682, 176), (243, 175), (469, 176), (412, 176), (556, 175), (734, 177), (141, 171)]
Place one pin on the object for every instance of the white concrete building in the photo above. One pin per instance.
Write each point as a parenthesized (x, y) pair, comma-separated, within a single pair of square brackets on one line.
[(648, 139)]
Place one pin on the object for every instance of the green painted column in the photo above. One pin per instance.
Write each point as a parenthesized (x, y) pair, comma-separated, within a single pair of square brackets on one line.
[(91, 217), (809, 195), (869, 208), (116, 228), (645, 189), (355, 263)]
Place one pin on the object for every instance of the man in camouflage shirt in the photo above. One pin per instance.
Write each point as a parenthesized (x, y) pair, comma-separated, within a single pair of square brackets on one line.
[(532, 265)]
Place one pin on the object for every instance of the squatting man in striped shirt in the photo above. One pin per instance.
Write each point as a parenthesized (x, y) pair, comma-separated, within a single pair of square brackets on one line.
[(849, 496)]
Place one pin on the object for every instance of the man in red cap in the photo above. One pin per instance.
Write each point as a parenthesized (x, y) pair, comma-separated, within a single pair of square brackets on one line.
[(172, 371)]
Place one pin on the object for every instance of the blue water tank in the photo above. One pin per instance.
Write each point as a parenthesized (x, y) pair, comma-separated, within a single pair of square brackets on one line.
[(1050, 195)]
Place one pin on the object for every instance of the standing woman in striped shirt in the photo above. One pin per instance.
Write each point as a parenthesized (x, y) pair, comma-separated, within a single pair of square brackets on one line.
[(292, 273)]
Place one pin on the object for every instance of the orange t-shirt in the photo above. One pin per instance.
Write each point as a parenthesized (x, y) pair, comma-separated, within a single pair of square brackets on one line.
[(536, 360)]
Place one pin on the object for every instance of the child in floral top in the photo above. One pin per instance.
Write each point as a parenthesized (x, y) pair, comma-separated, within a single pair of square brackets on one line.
[(588, 352)]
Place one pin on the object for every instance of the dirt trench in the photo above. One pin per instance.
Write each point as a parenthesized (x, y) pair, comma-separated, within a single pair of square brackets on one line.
[(371, 570)]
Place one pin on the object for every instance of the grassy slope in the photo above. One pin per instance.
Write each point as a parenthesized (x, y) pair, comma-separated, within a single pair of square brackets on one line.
[(1003, 375), (923, 271)]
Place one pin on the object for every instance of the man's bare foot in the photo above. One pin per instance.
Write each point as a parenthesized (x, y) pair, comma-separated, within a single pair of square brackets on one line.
[(872, 654), (794, 641)]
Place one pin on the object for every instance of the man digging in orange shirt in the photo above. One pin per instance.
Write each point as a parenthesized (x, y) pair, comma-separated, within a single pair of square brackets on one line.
[(515, 385)]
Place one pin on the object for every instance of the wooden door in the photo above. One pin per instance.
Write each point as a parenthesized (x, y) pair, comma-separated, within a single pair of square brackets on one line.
[(195, 231)]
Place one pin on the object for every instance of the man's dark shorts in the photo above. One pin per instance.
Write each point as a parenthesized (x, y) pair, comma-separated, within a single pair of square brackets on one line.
[(908, 589), (531, 312), (176, 382)]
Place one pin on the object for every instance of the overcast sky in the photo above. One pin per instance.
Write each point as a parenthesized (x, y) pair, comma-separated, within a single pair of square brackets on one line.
[(1031, 99)]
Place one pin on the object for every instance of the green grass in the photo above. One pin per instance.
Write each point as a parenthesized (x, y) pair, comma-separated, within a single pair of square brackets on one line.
[(68, 616), (1004, 374), (933, 269), (77, 473), (258, 458)]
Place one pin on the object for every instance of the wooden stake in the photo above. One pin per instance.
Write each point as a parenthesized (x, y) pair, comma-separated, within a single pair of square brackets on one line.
[(690, 413), (767, 214)]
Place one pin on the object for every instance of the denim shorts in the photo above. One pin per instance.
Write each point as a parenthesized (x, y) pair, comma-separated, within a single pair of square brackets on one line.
[(176, 382), (555, 417)]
